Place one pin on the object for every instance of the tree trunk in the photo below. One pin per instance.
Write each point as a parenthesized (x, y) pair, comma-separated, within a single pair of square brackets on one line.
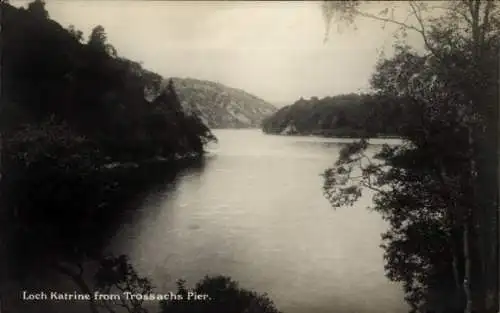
[(497, 245), (467, 272), (497, 253), (456, 272), (487, 184), (456, 277), (471, 233)]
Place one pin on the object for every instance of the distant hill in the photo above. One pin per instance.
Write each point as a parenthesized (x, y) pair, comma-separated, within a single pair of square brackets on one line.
[(220, 106), (350, 115)]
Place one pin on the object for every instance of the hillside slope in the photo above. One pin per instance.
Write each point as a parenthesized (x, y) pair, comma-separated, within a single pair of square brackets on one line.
[(219, 106)]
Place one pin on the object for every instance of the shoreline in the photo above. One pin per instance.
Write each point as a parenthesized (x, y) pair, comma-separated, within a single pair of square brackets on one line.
[(333, 137)]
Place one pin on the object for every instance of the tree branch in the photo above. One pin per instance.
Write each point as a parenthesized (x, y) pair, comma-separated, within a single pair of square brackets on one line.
[(371, 187), (471, 8), (420, 30), (486, 21), (462, 14), (420, 21), (78, 279), (387, 20), (106, 305), (80, 268), (474, 7)]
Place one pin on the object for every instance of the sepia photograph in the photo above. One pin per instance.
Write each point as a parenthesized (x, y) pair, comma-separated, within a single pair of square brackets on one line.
[(249, 156)]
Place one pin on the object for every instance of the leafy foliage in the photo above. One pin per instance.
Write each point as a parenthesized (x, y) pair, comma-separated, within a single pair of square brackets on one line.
[(432, 188), (409, 196), (116, 275), (224, 294), (37, 7)]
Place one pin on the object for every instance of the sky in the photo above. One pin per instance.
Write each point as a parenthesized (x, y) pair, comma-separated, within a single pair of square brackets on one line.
[(274, 50)]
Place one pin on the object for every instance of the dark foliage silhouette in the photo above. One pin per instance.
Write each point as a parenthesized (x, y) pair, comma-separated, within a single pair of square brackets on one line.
[(349, 115), (438, 189), (224, 296), (76, 127)]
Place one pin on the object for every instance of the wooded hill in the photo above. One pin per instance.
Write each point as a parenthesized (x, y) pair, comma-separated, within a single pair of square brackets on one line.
[(52, 77), (350, 115)]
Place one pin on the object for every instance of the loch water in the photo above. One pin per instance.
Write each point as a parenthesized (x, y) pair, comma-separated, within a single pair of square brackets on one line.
[(255, 211)]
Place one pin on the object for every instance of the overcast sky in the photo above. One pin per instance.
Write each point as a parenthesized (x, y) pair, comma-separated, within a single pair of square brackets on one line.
[(274, 50)]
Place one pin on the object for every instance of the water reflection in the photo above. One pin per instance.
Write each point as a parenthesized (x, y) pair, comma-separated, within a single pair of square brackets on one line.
[(256, 212), (70, 222)]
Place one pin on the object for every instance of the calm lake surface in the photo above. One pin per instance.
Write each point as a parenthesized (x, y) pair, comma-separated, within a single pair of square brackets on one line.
[(256, 212)]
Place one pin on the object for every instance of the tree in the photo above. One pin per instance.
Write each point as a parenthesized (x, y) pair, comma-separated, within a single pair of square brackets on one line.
[(98, 41), (37, 7), (461, 50), (224, 295), (116, 275), (77, 34), (98, 37), (410, 195), (341, 119)]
